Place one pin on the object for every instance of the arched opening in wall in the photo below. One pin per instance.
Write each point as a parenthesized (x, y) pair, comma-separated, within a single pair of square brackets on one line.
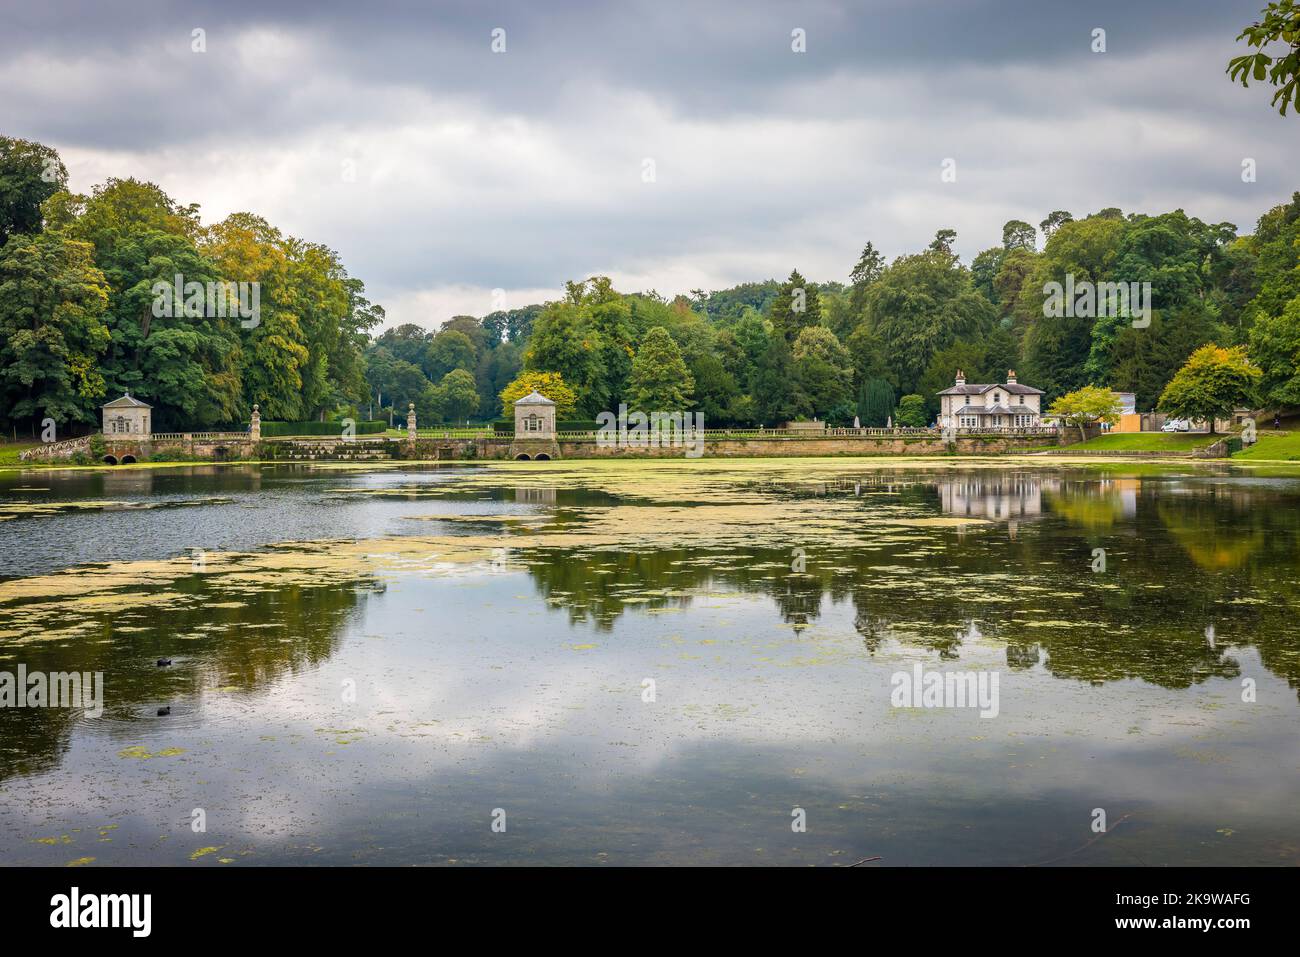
[(128, 460), (110, 459), (543, 457), (220, 453), (522, 457)]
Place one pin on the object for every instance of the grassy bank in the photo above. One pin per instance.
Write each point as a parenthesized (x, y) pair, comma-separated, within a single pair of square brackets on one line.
[(9, 452), (1146, 442), (1275, 446)]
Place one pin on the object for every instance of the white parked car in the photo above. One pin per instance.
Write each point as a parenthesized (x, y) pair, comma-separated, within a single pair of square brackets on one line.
[(1176, 425)]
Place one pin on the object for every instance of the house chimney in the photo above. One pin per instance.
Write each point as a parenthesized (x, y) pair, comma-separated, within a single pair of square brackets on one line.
[(1011, 377), (961, 377)]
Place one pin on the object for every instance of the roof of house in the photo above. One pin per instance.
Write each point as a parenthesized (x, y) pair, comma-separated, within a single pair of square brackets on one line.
[(995, 410), (979, 388), (534, 398), (126, 402)]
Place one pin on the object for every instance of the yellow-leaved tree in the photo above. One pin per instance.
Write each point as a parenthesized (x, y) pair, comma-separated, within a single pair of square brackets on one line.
[(549, 384), (1084, 406)]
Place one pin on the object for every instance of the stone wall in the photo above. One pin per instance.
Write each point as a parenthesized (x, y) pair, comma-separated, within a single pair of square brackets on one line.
[(1069, 434), (794, 447), (141, 450), (776, 447), (506, 447)]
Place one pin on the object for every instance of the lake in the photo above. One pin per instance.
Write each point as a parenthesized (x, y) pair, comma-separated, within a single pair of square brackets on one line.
[(666, 662)]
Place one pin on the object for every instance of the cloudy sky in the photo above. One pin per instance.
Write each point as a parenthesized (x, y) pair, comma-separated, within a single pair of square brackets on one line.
[(670, 145)]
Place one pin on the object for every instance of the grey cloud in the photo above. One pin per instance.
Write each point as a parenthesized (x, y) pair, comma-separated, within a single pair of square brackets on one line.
[(522, 170)]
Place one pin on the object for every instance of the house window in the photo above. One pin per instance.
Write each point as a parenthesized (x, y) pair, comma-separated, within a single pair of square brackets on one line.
[(532, 424)]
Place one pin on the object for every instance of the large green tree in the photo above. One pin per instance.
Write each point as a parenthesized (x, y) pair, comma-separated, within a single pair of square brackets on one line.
[(1212, 383), (920, 305), (660, 381), (1275, 347), (449, 349), (30, 173), (824, 368), (52, 300), (778, 397), (564, 342), (875, 403), (796, 307), (456, 396)]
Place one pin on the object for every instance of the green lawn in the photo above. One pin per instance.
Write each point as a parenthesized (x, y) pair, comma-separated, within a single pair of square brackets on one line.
[(9, 452), (1146, 442), (1279, 446)]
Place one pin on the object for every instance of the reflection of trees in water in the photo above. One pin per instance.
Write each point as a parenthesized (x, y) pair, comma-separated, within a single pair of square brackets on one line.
[(1218, 529), (598, 587), (237, 649), (874, 629), (1096, 505), (1183, 560)]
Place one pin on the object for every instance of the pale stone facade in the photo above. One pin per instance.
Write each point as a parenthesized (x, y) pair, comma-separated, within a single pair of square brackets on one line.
[(534, 417), (974, 405), (127, 417)]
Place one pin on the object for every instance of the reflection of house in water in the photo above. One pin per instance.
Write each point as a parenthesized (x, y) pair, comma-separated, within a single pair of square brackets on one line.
[(127, 482), (535, 496), (998, 497)]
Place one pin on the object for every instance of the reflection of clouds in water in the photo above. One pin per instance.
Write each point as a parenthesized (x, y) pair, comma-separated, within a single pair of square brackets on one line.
[(477, 680), (444, 710)]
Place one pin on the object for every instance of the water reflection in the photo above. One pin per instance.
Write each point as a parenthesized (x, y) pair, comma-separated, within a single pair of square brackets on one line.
[(1168, 548), (997, 497), (215, 645), (520, 684)]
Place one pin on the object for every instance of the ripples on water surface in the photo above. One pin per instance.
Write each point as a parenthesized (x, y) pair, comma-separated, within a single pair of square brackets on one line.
[(499, 625)]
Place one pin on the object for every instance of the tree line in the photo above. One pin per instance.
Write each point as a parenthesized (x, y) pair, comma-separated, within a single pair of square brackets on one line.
[(881, 346), (78, 273), (80, 319)]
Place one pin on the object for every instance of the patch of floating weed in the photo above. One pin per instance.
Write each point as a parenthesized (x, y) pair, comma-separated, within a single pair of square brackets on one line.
[(139, 752)]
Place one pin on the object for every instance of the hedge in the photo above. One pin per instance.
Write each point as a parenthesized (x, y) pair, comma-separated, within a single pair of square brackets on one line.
[(320, 428)]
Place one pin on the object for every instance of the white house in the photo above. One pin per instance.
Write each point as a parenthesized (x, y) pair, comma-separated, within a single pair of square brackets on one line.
[(127, 416), (975, 405)]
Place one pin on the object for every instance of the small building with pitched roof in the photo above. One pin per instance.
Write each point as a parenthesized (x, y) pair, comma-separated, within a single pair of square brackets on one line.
[(127, 416), (534, 417)]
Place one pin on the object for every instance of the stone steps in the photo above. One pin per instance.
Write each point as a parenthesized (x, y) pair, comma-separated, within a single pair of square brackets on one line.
[(337, 450)]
